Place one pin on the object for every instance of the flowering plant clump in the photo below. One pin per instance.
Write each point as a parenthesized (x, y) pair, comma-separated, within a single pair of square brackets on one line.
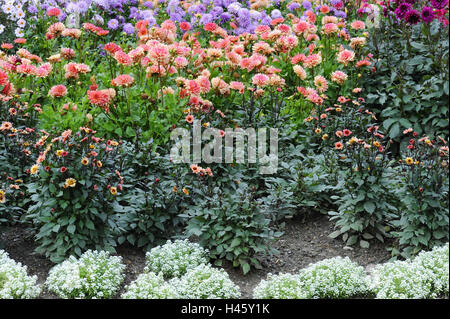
[(174, 259), (281, 286), (152, 202), (424, 218), (205, 282), (411, 279), (94, 275), (413, 36), (366, 205), (14, 280), (231, 226), (436, 262), (150, 286), (333, 278), (74, 193), (173, 69)]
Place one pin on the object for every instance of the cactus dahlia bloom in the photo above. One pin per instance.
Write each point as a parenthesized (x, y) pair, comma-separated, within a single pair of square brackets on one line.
[(345, 57), (260, 79), (58, 91), (123, 80), (301, 73), (3, 78), (101, 98), (313, 60), (321, 83), (339, 77)]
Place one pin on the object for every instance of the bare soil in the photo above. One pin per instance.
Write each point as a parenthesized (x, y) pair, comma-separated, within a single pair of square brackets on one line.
[(305, 241)]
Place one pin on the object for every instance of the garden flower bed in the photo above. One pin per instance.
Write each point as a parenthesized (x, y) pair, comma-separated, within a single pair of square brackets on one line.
[(224, 149)]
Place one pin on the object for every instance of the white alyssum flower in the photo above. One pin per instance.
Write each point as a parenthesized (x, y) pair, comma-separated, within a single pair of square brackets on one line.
[(173, 259), (205, 282), (399, 280), (334, 278), (14, 281), (436, 263), (150, 286), (425, 276), (95, 274), (281, 286)]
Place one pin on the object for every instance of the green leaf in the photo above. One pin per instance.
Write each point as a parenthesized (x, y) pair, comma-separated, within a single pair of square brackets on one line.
[(352, 240), (245, 268), (364, 244), (235, 242), (395, 130), (334, 234), (71, 229), (369, 207)]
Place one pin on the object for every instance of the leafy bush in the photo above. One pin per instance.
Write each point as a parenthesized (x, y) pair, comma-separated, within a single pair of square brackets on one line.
[(423, 194), (14, 280), (174, 259), (281, 286), (75, 188), (205, 282), (365, 203), (333, 278), (150, 207), (95, 274), (229, 223), (150, 286), (415, 93)]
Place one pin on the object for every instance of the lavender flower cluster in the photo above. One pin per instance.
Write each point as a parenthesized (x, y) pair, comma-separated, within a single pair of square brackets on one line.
[(120, 15)]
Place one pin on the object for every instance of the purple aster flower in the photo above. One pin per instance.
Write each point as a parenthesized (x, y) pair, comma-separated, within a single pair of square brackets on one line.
[(412, 17), (62, 16), (234, 7), (293, 6), (340, 14), (146, 14), (133, 13), (307, 5), (148, 4), (32, 9), (83, 7), (255, 15), (151, 21), (226, 3), (276, 14), (224, 17), (113, 24), (439, 4), (128, 28), (206, 18), (428, 14), (216, 11)]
